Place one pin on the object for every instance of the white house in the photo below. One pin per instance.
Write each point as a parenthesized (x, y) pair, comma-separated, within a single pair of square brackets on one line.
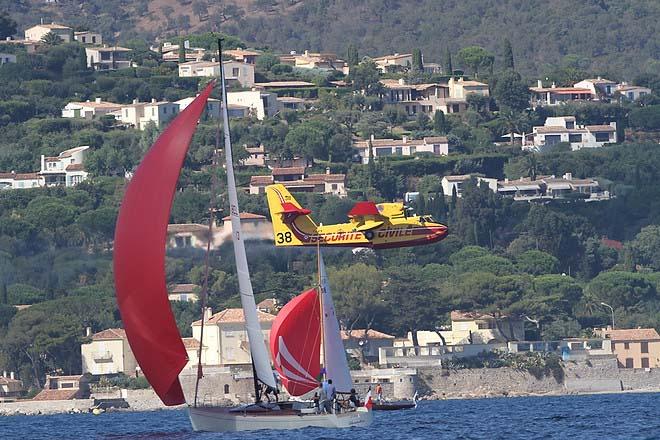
[(631, 93), (141, 114), (564, 129), (66, 169), (15, 180), (553, 95), (6, 58), (551, 187), (108, 58), (243, 73), (460, 88), (36, 33), (212, 106), (88, 37), (256, 156), (599, 87), (396, 61), (89, 109), (108, 353), (455, 183), (296, 179), (261, 104), (437, 145), (183, 292), (225, 337)]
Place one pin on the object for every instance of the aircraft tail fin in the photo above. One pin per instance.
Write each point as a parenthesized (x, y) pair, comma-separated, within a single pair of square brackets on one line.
[(291, 222)]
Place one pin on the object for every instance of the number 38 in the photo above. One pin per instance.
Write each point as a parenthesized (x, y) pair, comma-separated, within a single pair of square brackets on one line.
[(284, 237)]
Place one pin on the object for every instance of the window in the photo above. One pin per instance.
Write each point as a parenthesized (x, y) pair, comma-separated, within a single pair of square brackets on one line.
[(613, 346), (626, 345), (93, 40), (570, 124), (413, 150), (226, 389), (398, 151), (234, 71), (645, 362), (552, 139), (644, 346), (629, 362), (602, 137), (105, 56), (84, 39), (573, 138), (334, 186), (66, 385)]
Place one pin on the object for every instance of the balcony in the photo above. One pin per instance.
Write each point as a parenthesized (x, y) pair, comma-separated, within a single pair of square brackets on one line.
[(102, 356)]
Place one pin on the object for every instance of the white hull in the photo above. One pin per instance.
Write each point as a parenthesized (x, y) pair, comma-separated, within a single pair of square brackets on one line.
[(215, 419)]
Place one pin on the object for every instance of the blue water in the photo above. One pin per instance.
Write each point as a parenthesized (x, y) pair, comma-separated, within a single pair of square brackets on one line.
[(604, 416)]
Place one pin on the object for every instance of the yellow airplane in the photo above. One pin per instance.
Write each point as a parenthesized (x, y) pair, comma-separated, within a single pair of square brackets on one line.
[(377, 226)]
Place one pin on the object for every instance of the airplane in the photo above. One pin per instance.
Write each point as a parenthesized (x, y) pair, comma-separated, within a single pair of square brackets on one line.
[(370, 225)]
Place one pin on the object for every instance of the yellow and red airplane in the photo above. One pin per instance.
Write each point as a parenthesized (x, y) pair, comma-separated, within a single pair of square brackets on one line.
[(377, 226)]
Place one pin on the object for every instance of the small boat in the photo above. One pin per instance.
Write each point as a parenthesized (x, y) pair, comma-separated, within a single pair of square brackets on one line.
[(395, 405)]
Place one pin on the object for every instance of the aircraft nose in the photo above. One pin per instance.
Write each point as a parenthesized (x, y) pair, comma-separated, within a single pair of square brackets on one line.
[(440, 231)]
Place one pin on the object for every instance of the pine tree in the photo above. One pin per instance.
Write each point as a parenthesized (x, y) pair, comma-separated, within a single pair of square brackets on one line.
[(448, 66), (439, 123), (3, 293), (352, 56), (182, 52), (417, 63), (508, 55)]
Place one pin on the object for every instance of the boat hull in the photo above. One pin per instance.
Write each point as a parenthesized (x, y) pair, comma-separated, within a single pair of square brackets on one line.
[(214, 419)]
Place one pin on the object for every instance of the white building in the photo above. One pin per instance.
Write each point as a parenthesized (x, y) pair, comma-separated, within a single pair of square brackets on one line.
[(141, 114), (6, 58), (460, 88), (455, 183), (437, 146), (108, 58), (212, 106), (20, 180), (108, 353), (243, 73), (632, 93), (225, 337), (599, 87), (296, 179), (183, 292), (564, 129), (553, 95), (256, 156), (89, 109), (36, 33), (393, 62), (88, 37), (551, 187), (261, 104), (66, 169)]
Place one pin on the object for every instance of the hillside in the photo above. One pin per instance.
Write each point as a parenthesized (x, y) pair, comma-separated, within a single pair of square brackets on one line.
[(610, 37)]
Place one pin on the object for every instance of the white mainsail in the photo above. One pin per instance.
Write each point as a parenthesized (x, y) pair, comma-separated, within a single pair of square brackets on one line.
[(260, 358), (336, 365)]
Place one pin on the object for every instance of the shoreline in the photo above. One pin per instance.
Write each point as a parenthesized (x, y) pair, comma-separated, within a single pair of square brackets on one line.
[(7, 411)]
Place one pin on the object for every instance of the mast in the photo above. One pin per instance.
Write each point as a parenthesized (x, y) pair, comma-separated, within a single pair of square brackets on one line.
[(258, 352), (321, 311)]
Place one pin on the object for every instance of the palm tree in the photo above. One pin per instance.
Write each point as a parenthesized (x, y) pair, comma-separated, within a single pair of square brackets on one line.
[(51, 39), (514, 121)]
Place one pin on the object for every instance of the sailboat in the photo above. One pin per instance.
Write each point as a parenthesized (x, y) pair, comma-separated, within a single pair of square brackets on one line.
[(139, 270)]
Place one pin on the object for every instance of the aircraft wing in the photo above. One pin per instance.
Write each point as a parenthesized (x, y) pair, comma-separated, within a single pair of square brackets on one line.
[(369, 225)]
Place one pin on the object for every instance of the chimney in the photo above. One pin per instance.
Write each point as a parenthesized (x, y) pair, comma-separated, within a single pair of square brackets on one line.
[(97, 100), (599, 78), (568, 176), (214, 60), (153, 100), (405, 139), (306, 52), (327, 170), (539, 84), (135, 101), (4, 373), (373, 137), (11, 375), (553, 85), (88, 331), (402, 82), (506, 180), (208, 314)]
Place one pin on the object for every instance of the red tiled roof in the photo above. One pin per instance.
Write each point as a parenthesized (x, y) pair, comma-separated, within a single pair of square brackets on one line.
[(186, 227), (288, 170), (182, 288), (600, 128), (458, 315), (360, 334), (56, 394), (324, 178), (190, 343), (636, 334), (269, 303), (75, 167), (17, 176), (261, 180), (247, 216), (560, 90), (613, 244), (111, 333), (235, 316)]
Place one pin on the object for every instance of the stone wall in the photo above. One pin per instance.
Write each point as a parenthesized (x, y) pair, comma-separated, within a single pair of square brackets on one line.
[(34, 407)]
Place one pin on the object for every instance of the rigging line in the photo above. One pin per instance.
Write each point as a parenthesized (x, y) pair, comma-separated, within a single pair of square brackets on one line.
[(207, 259)]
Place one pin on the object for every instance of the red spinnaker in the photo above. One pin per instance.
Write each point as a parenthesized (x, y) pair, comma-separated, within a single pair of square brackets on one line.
[(139, 256), (295, 343)]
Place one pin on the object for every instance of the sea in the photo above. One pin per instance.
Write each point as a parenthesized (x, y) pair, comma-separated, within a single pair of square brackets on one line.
[(601, 416)]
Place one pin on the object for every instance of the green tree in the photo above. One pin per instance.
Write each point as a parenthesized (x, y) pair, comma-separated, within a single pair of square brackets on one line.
[(449, 68), (508, 55), (8, 26), (366, 78), (357, 291), (439, 122), (417, 61), (621, 289), (644, 250), (536, 262), (511, 92), (352, 56), (266, 61), (476, 58), (51, 39)]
